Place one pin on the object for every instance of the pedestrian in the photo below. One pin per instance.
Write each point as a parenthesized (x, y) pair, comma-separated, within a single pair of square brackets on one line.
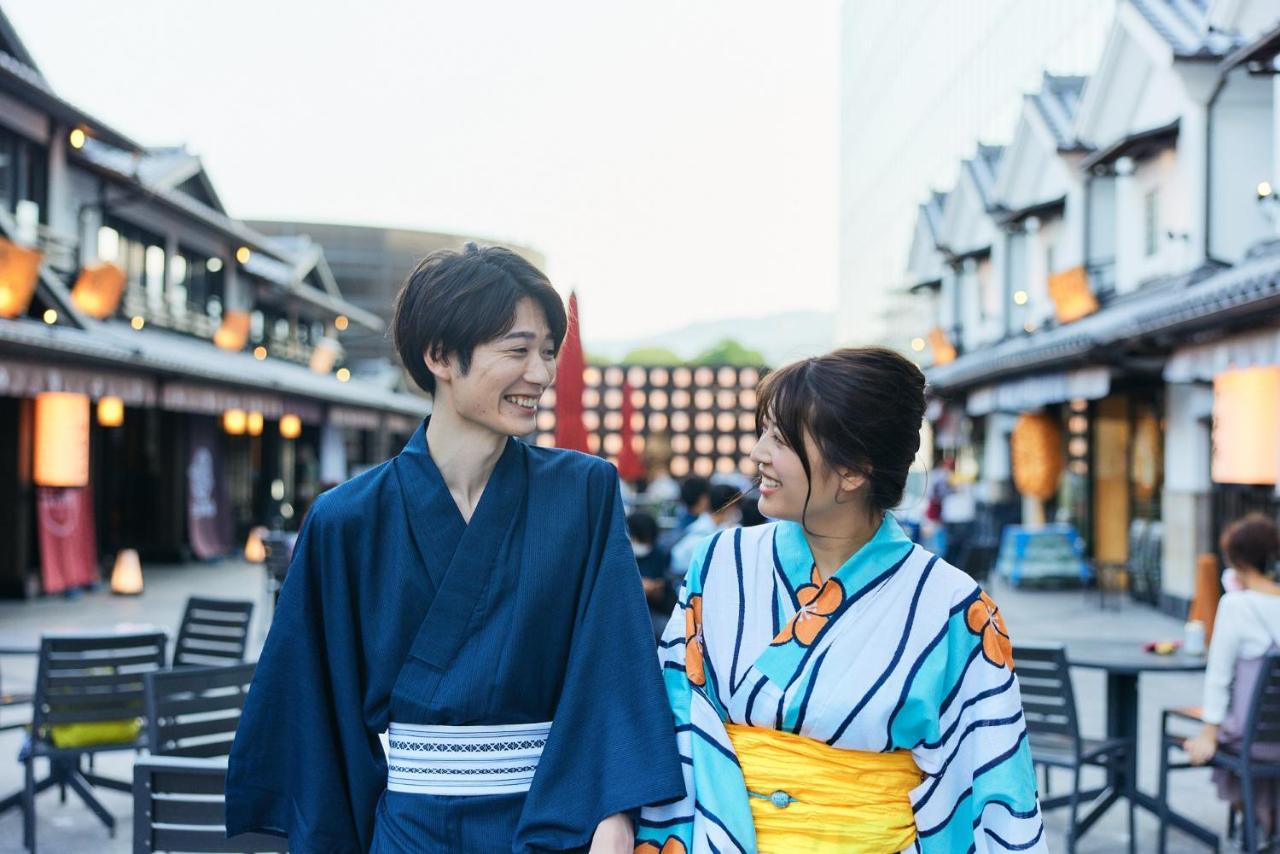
[(1245, 630), (837, 687), (476, 599), (722, 512), (654, 562)]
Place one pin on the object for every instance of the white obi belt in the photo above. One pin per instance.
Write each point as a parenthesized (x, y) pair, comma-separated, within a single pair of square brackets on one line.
[(464, 760)]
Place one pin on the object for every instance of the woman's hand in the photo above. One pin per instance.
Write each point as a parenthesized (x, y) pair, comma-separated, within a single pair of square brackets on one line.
[(614, 835), (1200, 749)]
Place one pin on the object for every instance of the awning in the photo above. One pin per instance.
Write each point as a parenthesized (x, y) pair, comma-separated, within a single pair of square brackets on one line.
[(1203, 362), (27, 378), (1204, 299), (214, 400), (1031, 393)]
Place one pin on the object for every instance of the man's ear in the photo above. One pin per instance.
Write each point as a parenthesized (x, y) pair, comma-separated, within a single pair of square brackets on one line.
[(439, 366)]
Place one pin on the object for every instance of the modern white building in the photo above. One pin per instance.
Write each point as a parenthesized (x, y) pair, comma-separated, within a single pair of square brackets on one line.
[(922, 83)]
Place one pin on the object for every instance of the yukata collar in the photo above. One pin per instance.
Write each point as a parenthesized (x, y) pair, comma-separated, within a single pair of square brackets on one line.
[(889, 544)]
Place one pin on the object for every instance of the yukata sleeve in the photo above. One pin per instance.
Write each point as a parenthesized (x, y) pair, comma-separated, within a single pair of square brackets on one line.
[(668, 828), (611, 748), (303, 764), (979, 787)]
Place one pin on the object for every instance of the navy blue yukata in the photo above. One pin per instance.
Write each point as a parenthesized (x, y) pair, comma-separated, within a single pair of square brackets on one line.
[(396, 609)]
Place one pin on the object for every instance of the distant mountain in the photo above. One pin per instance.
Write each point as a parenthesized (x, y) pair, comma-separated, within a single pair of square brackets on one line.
[(780, 337)]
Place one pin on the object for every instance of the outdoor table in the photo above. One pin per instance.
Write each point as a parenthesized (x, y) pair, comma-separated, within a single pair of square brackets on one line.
[(1123, 662)]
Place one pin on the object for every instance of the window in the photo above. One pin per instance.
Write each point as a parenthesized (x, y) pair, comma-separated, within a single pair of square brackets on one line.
[(141, 255), (1151, 222), (24, 171)]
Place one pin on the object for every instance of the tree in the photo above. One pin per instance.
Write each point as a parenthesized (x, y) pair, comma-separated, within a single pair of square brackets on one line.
[(652, 356), (730, 352)]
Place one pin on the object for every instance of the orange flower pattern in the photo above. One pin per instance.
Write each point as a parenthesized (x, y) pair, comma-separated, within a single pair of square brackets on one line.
[(693, 643), (671, 846), (818, 601), (984, 619)]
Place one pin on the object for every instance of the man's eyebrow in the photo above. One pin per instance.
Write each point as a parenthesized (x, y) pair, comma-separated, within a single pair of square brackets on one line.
[(529, 336)]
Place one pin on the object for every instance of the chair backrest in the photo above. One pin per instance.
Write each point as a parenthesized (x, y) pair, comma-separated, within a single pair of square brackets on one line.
[(213, 632), (194, 711), (178, 805), (91, 678), (1048, 703), (1263, 721)]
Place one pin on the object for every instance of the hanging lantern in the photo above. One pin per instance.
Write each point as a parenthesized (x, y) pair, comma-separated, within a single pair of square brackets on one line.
[(253, 424), (290, 426), (325, 355), (98, 289), (126, 575), (62, 439), (255, 548), (19, 270), (1038, 462), (110, 412), (233, 334), (234, 422), (1246, 418)]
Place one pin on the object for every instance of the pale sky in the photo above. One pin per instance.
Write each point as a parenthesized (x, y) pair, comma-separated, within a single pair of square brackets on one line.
[(674, 161)]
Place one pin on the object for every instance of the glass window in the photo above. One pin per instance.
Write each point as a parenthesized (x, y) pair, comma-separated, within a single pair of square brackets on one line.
[(1151, 222), (155, 277), (178, 270)]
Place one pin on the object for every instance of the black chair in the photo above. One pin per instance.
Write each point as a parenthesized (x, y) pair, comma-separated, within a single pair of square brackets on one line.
[(1053, 731), (213, 632), (194, 711), (178, 806), (84, 680), (1262, 727)]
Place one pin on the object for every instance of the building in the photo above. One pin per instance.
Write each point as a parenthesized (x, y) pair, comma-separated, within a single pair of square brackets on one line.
[(921, 84), (169, 376), (1140, 291), (371, 264)]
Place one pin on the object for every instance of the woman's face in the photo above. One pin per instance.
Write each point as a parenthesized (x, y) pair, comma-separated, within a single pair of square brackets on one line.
[(507, 376), (784, 487)]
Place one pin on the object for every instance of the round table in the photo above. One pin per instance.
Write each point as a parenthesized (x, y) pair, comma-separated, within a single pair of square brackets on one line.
[(1123, 662)]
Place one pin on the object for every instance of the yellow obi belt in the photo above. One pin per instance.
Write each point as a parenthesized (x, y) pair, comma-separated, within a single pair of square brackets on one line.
[(807, 796)]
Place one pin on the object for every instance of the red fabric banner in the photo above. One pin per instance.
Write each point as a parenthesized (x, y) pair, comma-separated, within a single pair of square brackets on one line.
[(68, 543), (570, 432)]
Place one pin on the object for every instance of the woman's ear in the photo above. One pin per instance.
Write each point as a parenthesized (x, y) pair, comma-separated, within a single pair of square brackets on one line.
[(850, 480), (439, 366)]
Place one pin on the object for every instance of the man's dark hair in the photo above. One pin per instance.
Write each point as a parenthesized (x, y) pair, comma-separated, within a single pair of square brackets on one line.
[(642, 527), (692, 489), (455, 301)]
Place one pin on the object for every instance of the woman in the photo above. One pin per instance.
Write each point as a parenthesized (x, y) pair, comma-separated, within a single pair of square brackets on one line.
[(1246, 628), (476, 599), (836, 687)]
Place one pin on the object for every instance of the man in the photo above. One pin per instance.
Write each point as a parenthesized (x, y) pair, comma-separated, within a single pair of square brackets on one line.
[(475, 598)]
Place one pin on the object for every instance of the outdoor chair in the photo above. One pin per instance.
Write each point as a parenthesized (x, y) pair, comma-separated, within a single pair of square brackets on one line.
[(89, 698), (1262, 727), (178, 805), (193, 711), (213, 632), (1053, 731)]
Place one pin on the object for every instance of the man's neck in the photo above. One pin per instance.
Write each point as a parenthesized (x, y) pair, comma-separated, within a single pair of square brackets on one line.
[(464, 452)]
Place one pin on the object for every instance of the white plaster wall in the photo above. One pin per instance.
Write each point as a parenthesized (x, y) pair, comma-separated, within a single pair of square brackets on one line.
[(1185, 505), (1241, 146)]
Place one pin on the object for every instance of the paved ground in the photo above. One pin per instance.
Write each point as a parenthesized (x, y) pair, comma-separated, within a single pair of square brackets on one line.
[(1031, 615)]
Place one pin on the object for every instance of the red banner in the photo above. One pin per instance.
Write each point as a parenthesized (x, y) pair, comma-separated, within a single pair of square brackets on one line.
[(68, 544)]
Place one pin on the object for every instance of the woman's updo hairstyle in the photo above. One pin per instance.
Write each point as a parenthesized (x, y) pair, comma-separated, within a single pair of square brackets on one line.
[(863, 406)]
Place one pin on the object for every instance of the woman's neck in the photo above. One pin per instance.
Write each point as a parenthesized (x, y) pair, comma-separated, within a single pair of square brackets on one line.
[(832, 552), (464, 452), (1252, 579)]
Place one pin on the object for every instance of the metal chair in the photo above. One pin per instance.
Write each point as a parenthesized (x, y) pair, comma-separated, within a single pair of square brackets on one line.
[(1053, 732), (194, 711), (178, 805), (1262, 727), (84, 680), (213, 632)]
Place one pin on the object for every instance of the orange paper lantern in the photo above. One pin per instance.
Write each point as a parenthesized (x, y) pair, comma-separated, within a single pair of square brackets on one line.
[(98, 289), (62, 439), (1038, 461), (19, 271)]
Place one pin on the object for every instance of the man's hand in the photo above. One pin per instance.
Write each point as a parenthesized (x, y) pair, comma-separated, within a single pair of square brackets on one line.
[(614, 835)]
